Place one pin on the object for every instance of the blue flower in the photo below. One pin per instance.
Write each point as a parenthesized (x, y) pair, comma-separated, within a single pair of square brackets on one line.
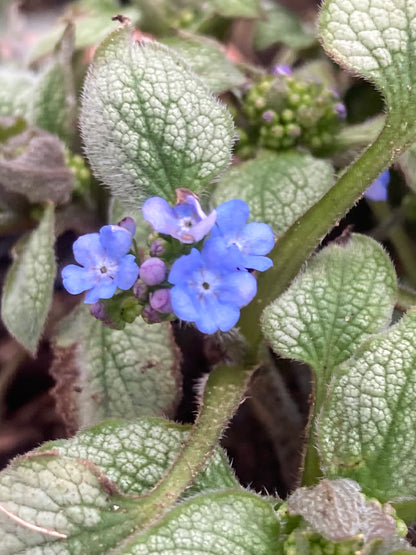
[(208, 289), (378, 189), (249, 242), (105, 264), (185, 221)]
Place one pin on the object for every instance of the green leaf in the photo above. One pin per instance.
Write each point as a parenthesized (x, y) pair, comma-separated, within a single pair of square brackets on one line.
[(149, 124), (367, 430), (376, 40), (46, 499), (279, 188), (217, 523), (346, 293), (56, 500), (208, 60), (122, 373), (92, 20), (136, 455), (54, 103), (280, 25), (32, 164), (16, 92), (28, 289)]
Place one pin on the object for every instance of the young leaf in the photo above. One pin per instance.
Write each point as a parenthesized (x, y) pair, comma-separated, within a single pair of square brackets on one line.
[(279, 188), (367, 430), (207, 59), (346, 294), (149, 123), (345, 519), (376, 40), (32, 164), (28, 289), (136, 455), (122, 373)]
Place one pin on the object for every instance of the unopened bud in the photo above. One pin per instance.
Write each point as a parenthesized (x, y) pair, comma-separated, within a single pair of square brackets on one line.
[(151, 316), (140, 290), (98, 310), (153, 271), (160, 300)]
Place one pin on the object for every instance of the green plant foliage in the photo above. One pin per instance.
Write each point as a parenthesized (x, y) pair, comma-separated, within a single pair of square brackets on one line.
[(346, 293), (377, 41), (54, 103), (93, 513), (367, 430), (279, 188), (207, 59), (27, 293), (135, 455), (122, 373), (148, 123)]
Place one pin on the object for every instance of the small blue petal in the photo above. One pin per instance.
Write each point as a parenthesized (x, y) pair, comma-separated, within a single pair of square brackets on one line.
[(185, 266), (217, 254), (238, 288), (231, 216), (115, 240), (160, 215), (183, 303), (127, 272), (259, 263), (378, 189), (88, 250), (257, 238), (217, 315), (105, 289), (76, 279)]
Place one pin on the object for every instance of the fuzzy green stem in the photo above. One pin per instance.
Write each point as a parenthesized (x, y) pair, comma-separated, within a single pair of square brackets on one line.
[(223, 394), (311, 465)]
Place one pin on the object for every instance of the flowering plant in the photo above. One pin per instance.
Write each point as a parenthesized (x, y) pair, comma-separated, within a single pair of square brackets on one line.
[(220, 282)]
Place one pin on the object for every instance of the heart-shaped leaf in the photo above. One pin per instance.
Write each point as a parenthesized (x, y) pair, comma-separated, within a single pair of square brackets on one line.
[(345, 294), (149, 123)]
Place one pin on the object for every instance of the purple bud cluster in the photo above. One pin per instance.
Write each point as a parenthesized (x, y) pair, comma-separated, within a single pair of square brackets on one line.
[(198, 268)]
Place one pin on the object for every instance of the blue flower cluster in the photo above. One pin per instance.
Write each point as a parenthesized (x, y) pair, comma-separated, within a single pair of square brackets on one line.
[(207, 284)]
